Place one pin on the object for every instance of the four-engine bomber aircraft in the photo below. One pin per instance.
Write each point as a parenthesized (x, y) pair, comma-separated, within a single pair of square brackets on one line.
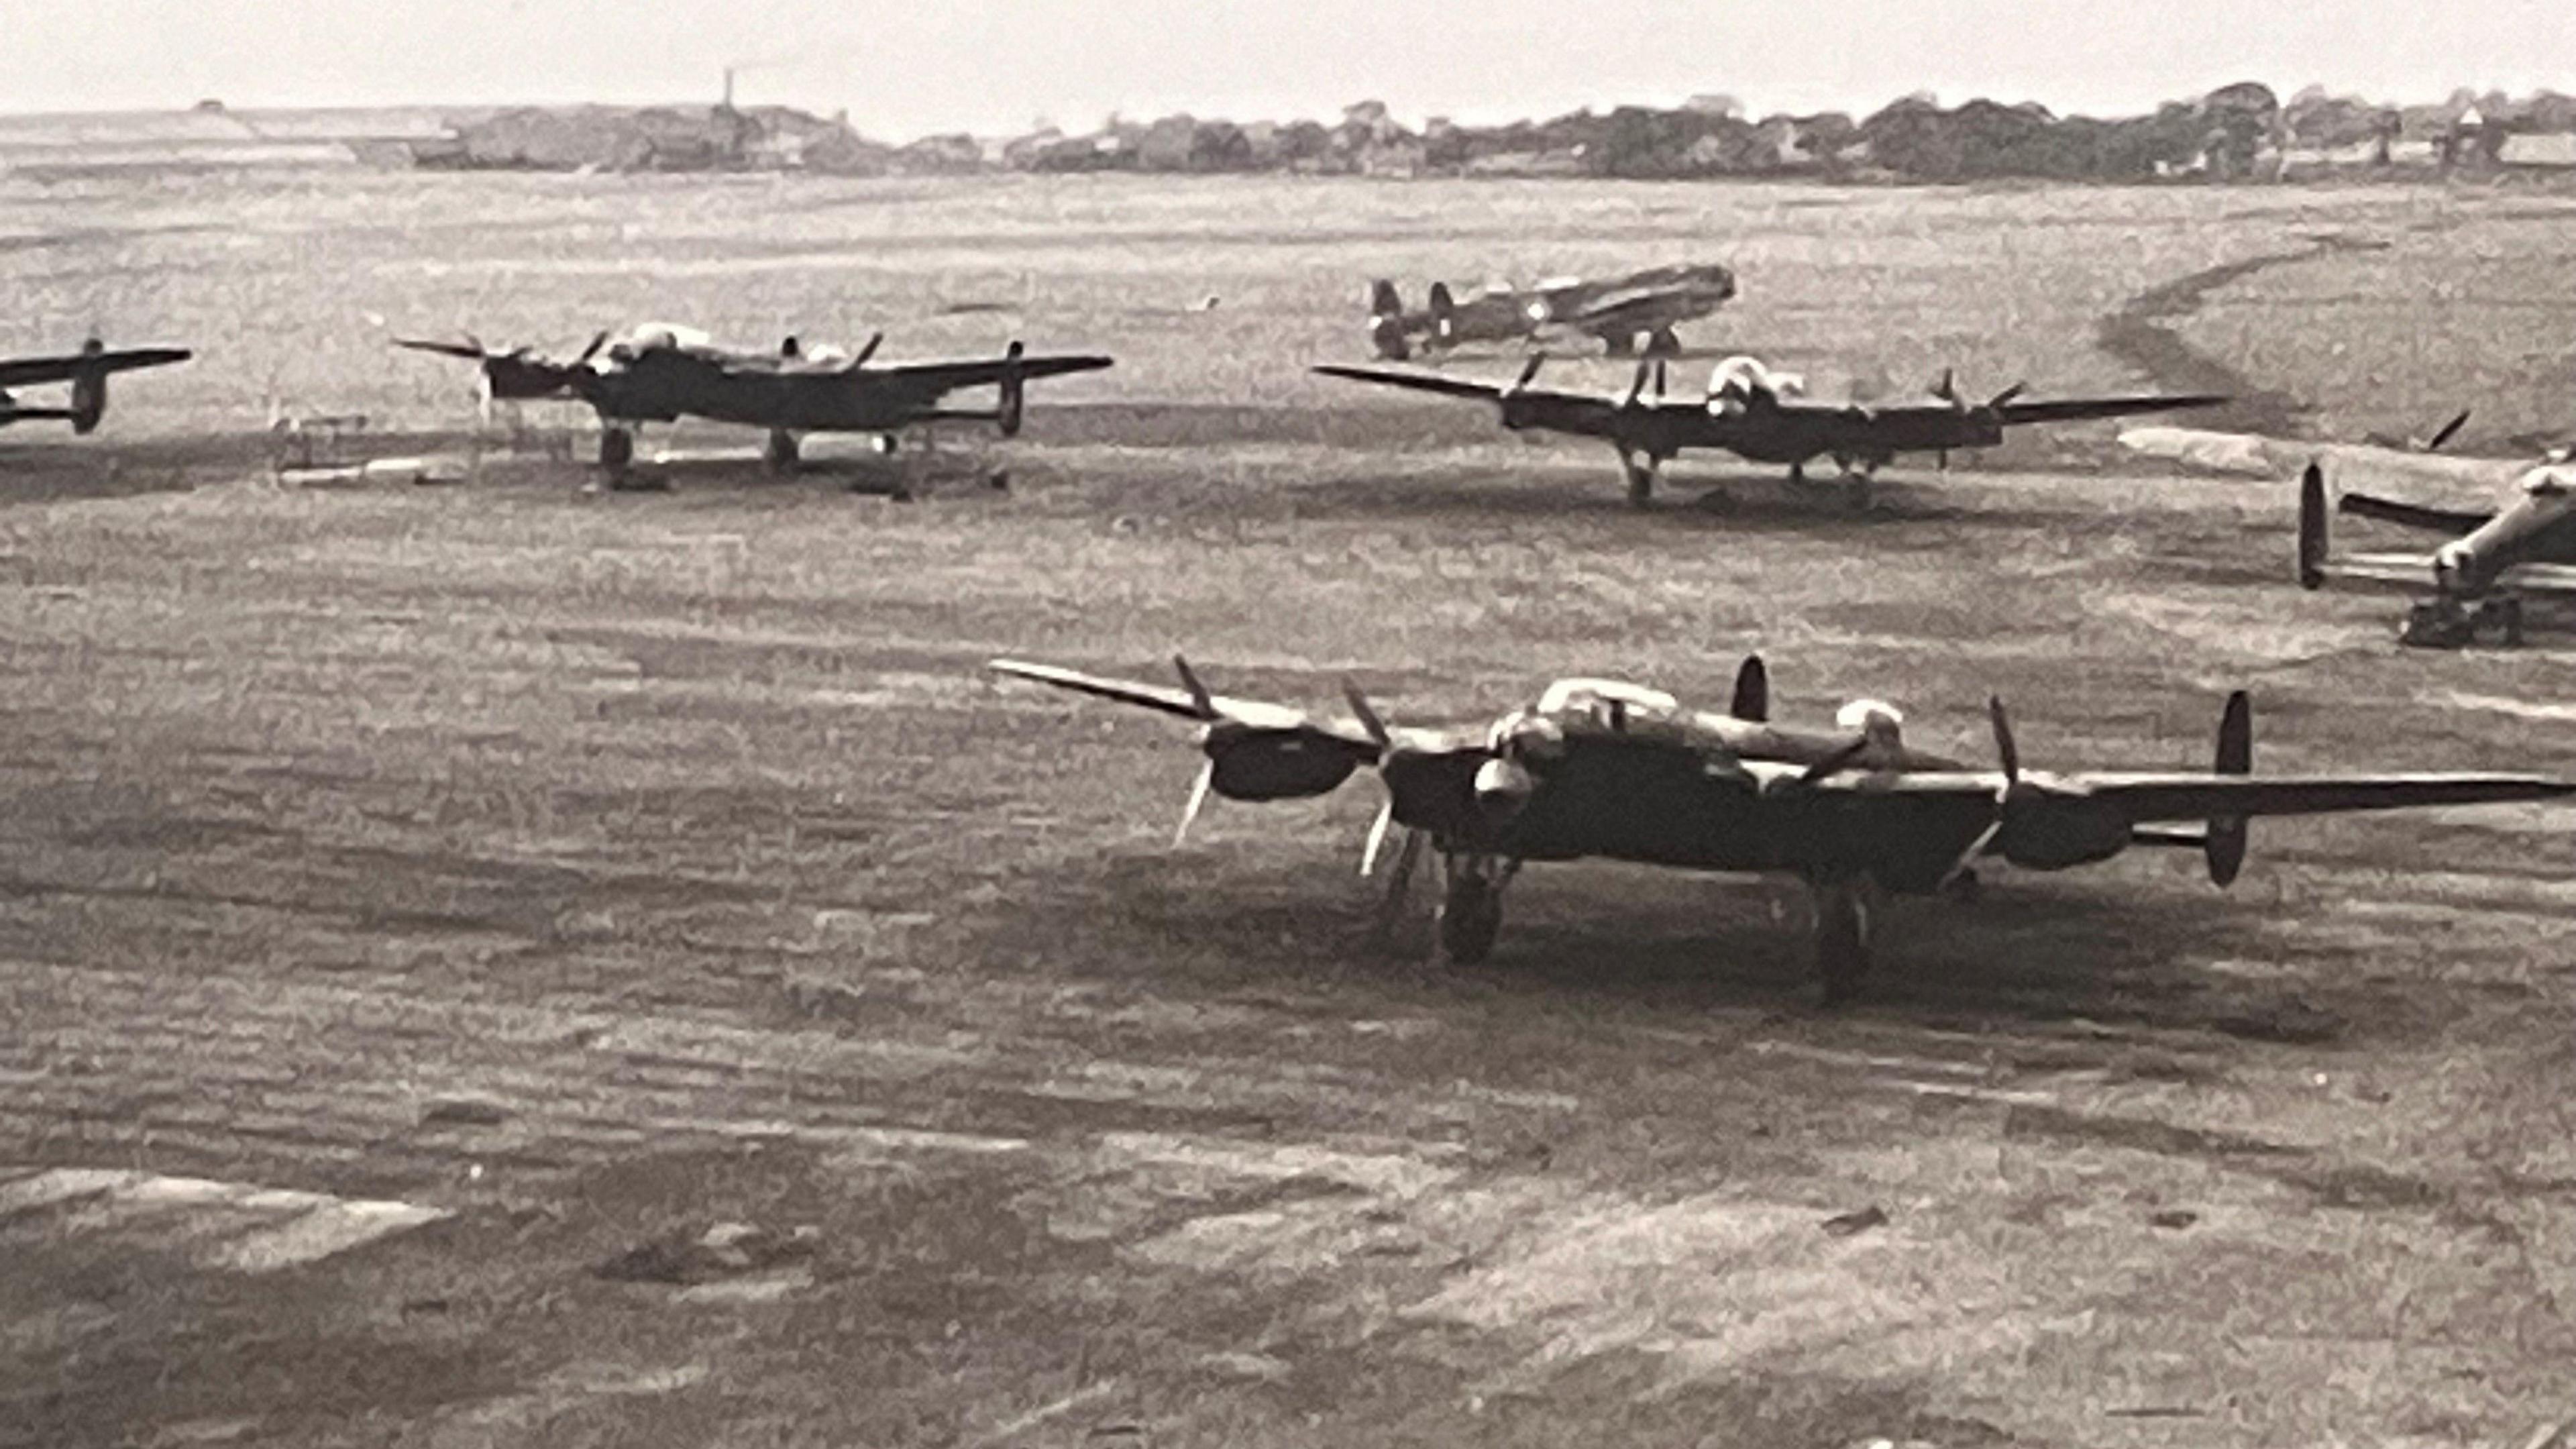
[(1756, 413), (1602, 768), (2480, 577), (2479, 580), (86, 370), (1622, 311), (661, 373)]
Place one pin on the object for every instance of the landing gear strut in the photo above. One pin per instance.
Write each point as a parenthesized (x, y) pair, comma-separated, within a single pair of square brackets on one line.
[(1842, 934), (616, 454), (1641, 469), (1473, 913), (1664, 343), (780, 454)]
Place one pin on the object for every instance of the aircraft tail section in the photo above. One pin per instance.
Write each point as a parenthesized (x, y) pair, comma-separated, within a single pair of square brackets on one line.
[(2224, 846), (2312, 527), (1386, 322), (1012, 387), (1752, 691), (1444, 314)]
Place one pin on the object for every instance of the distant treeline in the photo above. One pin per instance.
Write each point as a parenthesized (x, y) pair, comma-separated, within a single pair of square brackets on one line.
[(2237, 132)]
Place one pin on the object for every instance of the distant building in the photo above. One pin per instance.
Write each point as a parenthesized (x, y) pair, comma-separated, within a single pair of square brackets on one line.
[(2549, 151)]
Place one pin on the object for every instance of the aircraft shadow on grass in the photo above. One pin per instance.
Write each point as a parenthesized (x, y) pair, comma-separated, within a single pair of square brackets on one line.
[(2037, 952), (1722, 503)]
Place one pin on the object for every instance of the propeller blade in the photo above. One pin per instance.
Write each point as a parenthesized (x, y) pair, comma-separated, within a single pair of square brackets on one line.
[(598, 340), (2008, 394), (1376, 838), (1390, 908), (2447, 431), (1947, 388), (1835, 763), (1529, 371), (1976, 847), (1367, 715), (470, 351), (875, 341), (2005, 750), (1200, 699), (1198, 800)]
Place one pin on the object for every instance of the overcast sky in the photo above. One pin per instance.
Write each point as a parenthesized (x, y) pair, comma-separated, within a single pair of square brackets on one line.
[(904, 68)]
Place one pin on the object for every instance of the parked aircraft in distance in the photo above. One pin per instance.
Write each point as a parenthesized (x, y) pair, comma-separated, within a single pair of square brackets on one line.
[(1624, 312), (86, 370), (2495, 559), (662, 373), (1615, 770), (1755, 412)]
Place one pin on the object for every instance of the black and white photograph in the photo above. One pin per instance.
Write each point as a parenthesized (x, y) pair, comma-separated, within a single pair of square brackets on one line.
[(1244, 724)]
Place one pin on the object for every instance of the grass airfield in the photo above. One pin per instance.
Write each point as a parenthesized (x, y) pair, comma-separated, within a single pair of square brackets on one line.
[(430, 911)]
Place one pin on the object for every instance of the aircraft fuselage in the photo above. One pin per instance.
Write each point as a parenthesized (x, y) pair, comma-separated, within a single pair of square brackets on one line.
[(665, 384)]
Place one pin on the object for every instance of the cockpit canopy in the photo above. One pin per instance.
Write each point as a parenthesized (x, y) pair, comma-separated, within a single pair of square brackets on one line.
[(652, 336), (1593, 695), (1738, 379)]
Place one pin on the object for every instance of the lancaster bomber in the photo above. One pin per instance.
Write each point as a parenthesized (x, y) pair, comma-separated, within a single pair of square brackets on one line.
[(86, 370), (1615, 770), (1754, 412), (1622, 311), (2495, 557), (662, 373)]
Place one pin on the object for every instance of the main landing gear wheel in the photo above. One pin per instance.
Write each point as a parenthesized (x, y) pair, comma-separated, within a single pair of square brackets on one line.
[(1842, 937), (1472, 916)]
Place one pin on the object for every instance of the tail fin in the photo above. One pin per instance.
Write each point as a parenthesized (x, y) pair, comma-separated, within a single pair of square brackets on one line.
[(89, 390), (1014, 392), (1752, 691), (2225, 844), (1383, 301), (1444, 313), (2312, 526)]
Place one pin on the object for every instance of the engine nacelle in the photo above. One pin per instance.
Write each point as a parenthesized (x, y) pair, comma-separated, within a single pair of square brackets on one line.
[(2061, 838), (1271, 764)]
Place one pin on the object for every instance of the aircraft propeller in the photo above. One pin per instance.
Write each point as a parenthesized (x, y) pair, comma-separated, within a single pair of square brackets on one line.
[(1204, 706), (1400, 884), (875, 341), (2011, 792)]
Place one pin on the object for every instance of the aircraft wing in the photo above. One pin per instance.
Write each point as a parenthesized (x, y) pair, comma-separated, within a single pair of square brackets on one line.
[(2251, 455), (1524, 407), (931, 381), (1186, 704), (30, 371), (2409, 515), (2414, 573), (2070, 410), (2142, 798), (1430, 382)]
